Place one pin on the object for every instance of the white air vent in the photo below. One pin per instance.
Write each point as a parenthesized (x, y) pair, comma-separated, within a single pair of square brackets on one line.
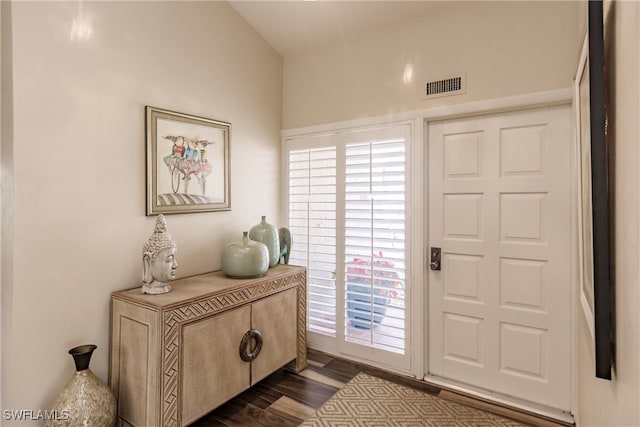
[(446, 87)]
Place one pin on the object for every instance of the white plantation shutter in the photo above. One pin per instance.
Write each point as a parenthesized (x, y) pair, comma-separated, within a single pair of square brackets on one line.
[(375, 242), (312, 222), (347, 215)]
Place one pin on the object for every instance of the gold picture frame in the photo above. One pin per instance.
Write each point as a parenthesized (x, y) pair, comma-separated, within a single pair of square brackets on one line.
[(187, 159)]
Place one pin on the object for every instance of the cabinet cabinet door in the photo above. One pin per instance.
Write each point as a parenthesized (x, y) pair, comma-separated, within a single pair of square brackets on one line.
[(276, 318), (212, 370)]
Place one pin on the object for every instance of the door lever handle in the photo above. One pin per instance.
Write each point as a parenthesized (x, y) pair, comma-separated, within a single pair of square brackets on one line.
[(435, 259)]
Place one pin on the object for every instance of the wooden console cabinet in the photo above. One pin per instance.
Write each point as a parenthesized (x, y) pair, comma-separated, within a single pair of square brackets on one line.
[(177, 356)]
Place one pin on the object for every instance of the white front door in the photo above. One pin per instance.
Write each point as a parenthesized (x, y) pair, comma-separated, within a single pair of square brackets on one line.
[(500, 209)]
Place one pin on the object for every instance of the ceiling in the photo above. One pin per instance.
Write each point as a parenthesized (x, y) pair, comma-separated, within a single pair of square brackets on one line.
[(292, 26)]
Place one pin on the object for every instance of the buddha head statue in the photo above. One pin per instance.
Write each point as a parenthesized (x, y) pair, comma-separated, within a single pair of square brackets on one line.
[(158, 260)]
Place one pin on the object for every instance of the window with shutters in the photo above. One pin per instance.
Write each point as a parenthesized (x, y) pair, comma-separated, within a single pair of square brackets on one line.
[(374, 234), (347, 215), (312, 223)]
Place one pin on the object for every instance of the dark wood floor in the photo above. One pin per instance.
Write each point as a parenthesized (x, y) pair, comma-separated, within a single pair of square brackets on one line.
[(286, 399)]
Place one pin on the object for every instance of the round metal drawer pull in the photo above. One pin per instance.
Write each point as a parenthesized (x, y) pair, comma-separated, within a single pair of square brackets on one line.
[(250, 335)]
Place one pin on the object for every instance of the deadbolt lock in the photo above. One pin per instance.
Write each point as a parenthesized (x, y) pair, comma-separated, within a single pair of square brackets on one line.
[(435, 259)]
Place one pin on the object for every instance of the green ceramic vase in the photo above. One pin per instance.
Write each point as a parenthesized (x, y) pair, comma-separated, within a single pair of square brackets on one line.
[(267, 234), (245, 259)]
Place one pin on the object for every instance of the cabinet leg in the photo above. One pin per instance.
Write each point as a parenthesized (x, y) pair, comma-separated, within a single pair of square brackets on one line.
[(298, 364)]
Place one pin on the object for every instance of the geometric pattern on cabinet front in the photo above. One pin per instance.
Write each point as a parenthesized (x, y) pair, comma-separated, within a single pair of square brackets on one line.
[(207, 295)]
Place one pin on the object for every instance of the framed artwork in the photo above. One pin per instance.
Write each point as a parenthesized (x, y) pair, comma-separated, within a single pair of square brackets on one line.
[(595, 241), (187, 163)]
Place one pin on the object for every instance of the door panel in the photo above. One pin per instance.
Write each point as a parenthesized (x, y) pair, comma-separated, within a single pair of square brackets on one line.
[(276, 317), (212, 371), (499, 207)]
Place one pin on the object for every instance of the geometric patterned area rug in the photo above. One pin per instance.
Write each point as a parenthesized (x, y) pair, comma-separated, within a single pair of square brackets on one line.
[(373, 402)]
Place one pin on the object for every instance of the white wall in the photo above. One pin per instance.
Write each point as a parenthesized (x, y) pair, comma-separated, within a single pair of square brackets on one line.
[(79, 156), (616, 402), (506, 48)]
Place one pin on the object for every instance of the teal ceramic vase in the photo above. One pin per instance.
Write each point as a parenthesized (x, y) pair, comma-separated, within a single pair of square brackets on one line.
[(86, 400), (245, 259), (267, 234)]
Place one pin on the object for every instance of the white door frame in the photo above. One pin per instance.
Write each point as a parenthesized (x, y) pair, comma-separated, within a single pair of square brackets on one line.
[(543, 99)]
